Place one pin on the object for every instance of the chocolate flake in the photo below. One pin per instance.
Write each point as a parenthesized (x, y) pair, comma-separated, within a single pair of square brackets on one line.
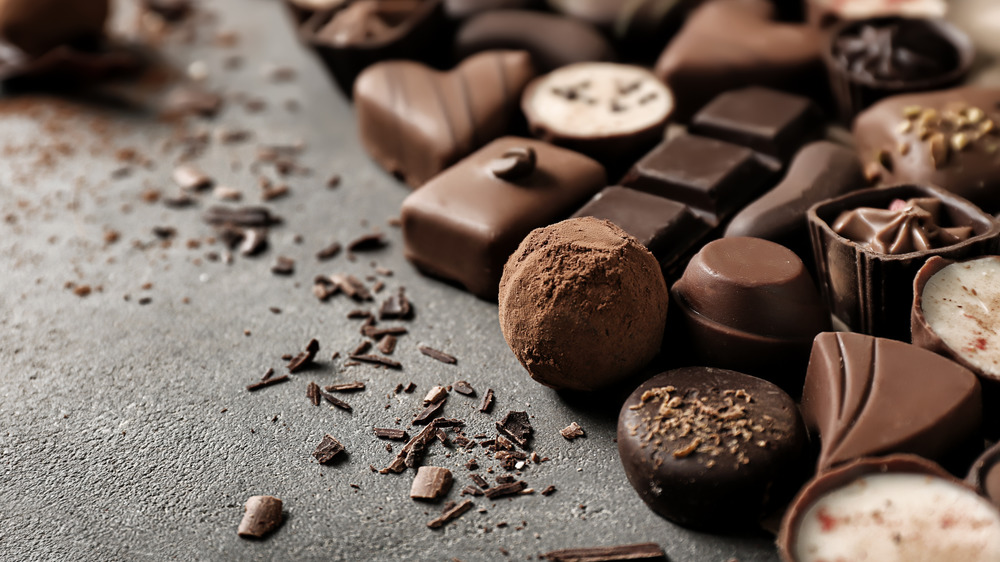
[(471, 491), (431, 483), (345, 387), (644, 551), (283, 266), (246, 217), (378, 360), (335, 401), (451, 514), (429, 413), (439, 355), (507, 489), (352, 287), (412, 453), (516, 426), (390, 433), (388, 344), (549, 490), (479, 481), (312, 393), (362, 348), (377, 333), (368, 242), (262, 514), (304, 359), (572, 431), (254, 241), (266, 382), (435, 394), (463, 387), (328, 252), (488, 400), (327, 449)]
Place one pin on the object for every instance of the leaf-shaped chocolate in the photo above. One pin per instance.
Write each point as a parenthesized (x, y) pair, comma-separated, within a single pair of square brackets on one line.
[(873, 396)]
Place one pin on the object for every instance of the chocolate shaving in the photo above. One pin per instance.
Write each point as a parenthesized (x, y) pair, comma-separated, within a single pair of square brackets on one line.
[(549, 490), (644, 551), (471, 491), (451, 514), (304, 359), (435, 394), (431, 483), (328, 252), (388, 344), (345, 387), (488, 400), (390, 433), (378, 360), (465, 388), (377, 333), (480, 481), (362, 348), (439, 355), (507, 489), (355, 314), (352, 287), (267, 382), (368, 242), (327, 449), (429, 413), (572, 431), (254, 241), (283, 266), (517, 427), (396, 307), (312, 393), (335, 401), (246, 217), (412, 453)]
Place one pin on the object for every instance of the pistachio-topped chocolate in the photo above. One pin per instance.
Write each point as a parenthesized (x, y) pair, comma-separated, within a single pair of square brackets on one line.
[(906, 226), (709, 447)]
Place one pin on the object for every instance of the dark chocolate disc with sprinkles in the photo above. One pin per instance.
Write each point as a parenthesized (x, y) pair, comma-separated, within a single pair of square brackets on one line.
[(711, 448)]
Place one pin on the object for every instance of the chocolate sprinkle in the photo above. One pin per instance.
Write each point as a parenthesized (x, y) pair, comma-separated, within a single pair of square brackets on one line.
[(439, 355), (644, 551), (246, 217), (471, 491), (327, 449)]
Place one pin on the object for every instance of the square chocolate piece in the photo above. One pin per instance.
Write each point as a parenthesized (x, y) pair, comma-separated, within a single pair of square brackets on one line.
[(668, 229), (464, 223), (708, 174), (773, 123)]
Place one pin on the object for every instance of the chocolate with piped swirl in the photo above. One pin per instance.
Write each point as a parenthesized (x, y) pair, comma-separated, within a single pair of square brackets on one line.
[(907, 226), (416, 121)]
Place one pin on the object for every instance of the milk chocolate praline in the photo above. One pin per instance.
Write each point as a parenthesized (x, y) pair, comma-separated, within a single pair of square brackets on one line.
[(750, 304), (710, 448), (582, 304), (872, 292), (922, 515)]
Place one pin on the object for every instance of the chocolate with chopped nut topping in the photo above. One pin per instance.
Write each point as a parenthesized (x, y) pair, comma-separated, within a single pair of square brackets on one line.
[(711, 448)]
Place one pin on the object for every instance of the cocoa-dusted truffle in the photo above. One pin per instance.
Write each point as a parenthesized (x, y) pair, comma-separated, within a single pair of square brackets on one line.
[(37, 26), (582, 304)]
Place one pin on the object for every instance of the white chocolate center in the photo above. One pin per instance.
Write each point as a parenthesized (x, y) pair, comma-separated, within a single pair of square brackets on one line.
[(962, 305), (598, 99), (900, 518)]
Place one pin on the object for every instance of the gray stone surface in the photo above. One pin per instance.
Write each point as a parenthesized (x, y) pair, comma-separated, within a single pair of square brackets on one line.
[(126, 432)]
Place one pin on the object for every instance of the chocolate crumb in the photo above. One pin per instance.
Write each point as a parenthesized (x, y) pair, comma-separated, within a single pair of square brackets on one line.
[(572, 431), (549, 490), (262, 515), (334, 181), (645, 551), (328, 252), (267, 374), (435, 394), (327, 449), (471, 491), (364, 346), (463, 387), (409, 388), (436, 354), (283, 266)]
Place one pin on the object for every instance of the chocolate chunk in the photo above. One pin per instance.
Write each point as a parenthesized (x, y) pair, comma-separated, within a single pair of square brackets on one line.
[(350, 39), (611, 112), (893, 508), (480, 481), (450, 514), (821, 170), (336, 401), (488, 400), (283, 265), (261, 516), (312, 393), (396, 307), (906, 226), (572, 431), (190, 178), (504, 490), (517, 427), (772, 123), (874, 59), (948, 139), (750, 305), (953, 316), (872, 292), (368, 242), (328, 252), (435, 394), (415, 121), (593, 262), (729, 44), (984, 476), (439, 355), (305, 358), (327, 449), (429, 413), (465, 222), (710, 175), (644, 551), (267, 382), (431, 483), (345, 387), (710, 448), (872, 396), (391, 434), (668, 229), (465, 388), (552, 40)]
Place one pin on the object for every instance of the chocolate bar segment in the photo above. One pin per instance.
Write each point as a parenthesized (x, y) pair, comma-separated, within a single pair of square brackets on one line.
[(464, 223), (873, 396)]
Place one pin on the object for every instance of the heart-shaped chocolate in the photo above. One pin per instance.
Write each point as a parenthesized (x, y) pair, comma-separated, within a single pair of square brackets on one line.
[(872, 396), (416, 121), (729, 44)]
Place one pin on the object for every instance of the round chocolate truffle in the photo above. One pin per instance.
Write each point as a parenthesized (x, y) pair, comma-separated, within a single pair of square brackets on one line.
[(583, 305), (37, 26), (711, 448)]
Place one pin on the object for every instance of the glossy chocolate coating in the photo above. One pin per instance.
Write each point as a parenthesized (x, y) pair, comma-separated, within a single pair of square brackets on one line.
[(872, 59), (874, 396), (729, 44), (364, 32), (710, 175), (984, 476), (905, 227), (737, 459), (554, 305), (923, 524), (819, 171), (948, 139), (463, 224), (770, 122), (415, 121), (750, 304), (461, 9), (38, 26), (666, 228), (872, 292), (552, 40)]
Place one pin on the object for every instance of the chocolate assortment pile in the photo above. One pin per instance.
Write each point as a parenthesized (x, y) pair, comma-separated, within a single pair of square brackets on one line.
[(740, 212), (799, 324)]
